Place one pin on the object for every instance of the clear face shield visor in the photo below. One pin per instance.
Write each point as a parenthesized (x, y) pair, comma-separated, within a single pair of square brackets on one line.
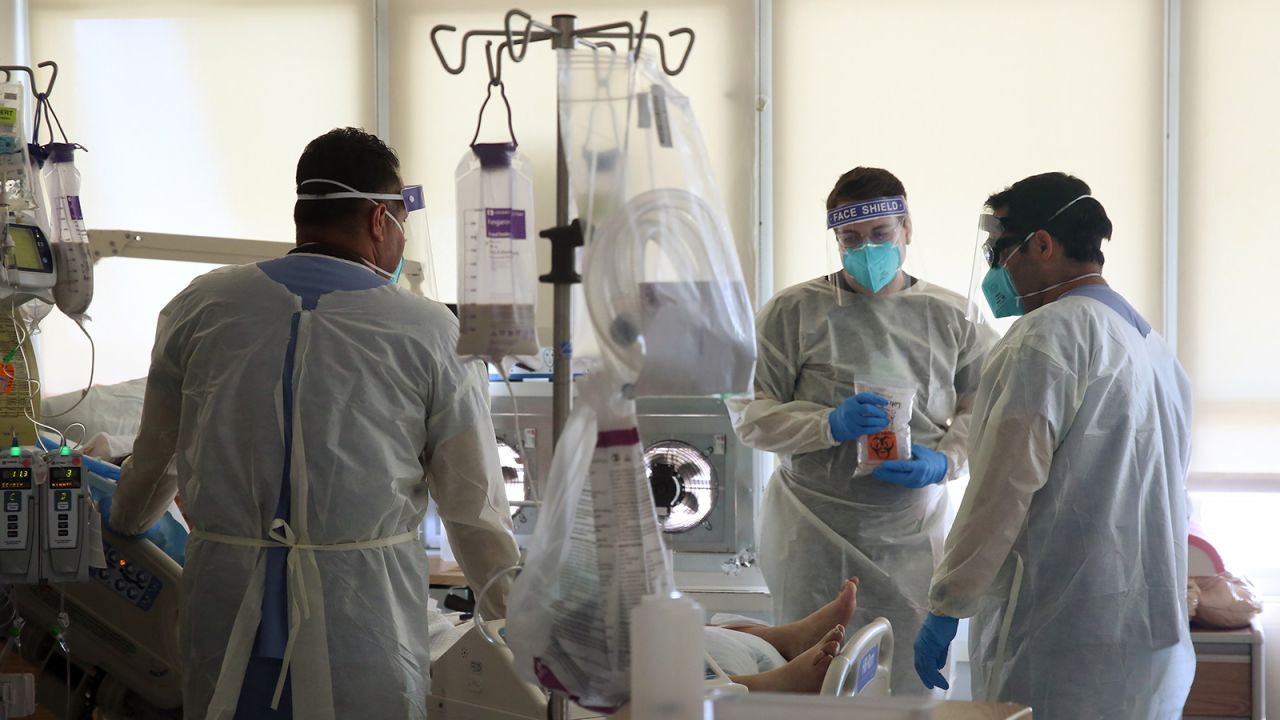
[(418, 269), (991, 251), (988, 245), (869, 239)]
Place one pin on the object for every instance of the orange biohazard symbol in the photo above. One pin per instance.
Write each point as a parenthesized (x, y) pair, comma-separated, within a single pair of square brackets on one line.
[(883, 445)]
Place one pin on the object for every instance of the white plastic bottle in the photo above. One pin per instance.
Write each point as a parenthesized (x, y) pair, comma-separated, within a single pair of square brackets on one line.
[(497, 257), (667, 665)]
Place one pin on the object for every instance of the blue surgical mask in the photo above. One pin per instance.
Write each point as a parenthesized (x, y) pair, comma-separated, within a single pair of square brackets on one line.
[(873, 265)]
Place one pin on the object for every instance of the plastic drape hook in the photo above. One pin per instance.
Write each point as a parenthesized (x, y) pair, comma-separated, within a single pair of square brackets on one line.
[(565, 240)]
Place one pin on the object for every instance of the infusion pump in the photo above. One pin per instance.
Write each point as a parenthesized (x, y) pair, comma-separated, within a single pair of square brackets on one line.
[(52, 531), (27, 269)]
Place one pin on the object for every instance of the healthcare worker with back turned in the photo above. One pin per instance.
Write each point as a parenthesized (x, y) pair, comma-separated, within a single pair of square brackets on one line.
[(311, 404), (1070, 550), (824, 518)]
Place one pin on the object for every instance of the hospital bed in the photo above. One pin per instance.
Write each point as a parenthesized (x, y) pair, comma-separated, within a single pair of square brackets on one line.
[(223, 251), (123, 636), (122, 625), (475, 679)]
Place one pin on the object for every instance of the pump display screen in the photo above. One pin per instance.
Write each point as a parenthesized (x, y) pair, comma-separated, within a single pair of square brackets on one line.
[(15, 478), (25, 254), (64, 477)]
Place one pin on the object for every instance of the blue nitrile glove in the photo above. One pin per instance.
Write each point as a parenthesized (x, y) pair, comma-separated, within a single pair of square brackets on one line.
[(860, 415), (931, 649), (925, 467)]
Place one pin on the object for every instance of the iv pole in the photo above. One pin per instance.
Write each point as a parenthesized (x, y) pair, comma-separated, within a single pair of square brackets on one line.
[(566, 236)]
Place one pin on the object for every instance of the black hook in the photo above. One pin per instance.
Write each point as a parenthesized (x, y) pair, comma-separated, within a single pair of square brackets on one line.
[(662, 50), (644, 23), (495, 75), (21, 68), (598, 30), (528, 32), (440, 53), (687, 50), (495, 79), (48, 90)]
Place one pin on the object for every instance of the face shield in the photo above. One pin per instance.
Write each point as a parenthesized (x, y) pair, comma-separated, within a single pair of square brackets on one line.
[(987, 247), (418, 271), (991, 288), (870, 239)]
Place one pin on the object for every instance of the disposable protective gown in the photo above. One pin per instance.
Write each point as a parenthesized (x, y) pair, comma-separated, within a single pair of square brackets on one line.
[(313, 372), (821, 524), (1070, 548)]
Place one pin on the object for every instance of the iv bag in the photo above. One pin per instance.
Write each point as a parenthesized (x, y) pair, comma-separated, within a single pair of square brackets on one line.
[(17, 190), (74, 289), (596, 552), (662, 279), (497, 258)]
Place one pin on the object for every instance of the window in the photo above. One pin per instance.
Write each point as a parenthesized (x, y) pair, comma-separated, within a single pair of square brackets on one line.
[(194, 115), (1230, 151), (959, 100)]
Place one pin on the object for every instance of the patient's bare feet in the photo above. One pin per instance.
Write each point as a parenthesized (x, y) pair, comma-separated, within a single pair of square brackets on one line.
[(793, 639), (805, 672)]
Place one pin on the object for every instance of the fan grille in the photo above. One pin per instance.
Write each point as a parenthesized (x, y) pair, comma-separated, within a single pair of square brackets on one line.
[(683, 480)]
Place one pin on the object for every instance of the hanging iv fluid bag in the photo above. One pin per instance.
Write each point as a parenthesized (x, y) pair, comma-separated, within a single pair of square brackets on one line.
[(74, 289), (497, 258)]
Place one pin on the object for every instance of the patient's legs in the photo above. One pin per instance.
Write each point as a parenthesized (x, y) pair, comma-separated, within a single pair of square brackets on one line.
[(794, 639)]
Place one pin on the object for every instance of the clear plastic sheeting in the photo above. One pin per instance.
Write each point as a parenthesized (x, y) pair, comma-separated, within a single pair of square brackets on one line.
[(655, 293), (17, 180), (595, 554), (662, 279)]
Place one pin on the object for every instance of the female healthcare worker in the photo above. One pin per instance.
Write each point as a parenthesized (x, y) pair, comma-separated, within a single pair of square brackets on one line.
[(825, 521)]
